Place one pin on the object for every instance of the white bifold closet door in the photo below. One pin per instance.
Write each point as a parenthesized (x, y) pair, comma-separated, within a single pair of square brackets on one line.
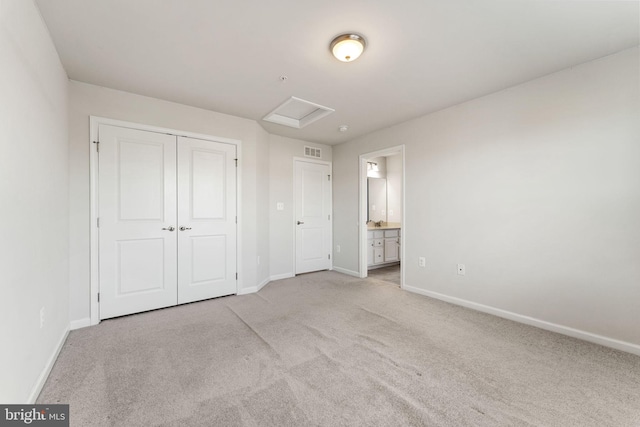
[(167, 226)]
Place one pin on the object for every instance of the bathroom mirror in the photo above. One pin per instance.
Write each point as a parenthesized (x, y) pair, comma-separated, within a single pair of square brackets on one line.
[(377, 199)]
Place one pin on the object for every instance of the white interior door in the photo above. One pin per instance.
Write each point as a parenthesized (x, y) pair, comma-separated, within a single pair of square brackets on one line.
[(137, 220), (206, 219), (312, 216)]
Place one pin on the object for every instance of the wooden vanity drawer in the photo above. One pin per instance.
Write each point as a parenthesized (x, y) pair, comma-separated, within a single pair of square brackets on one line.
[(391, 233)]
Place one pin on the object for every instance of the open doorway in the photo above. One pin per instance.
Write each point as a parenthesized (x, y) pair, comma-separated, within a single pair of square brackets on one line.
[(381, 215)]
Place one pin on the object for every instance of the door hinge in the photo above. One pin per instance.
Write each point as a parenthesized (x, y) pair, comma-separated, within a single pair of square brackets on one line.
[(98, 296), (236, 162), (97, 145), (236, 219), (328, 177), (329, 217), (329, 256), (236, 276), (98, 222)]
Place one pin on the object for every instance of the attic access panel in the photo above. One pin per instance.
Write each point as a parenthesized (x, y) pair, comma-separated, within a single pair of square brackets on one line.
[(297, 113)]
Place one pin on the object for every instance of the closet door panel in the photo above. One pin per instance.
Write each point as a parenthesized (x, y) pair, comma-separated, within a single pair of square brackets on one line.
[(207, 219), (137, 206)]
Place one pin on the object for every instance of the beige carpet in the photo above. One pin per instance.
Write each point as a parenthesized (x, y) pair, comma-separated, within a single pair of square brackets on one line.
[(328, 349), (387, 274)]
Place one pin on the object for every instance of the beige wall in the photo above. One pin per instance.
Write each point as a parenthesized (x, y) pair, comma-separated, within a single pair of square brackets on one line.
[(34, 251), (535, 188), (394, 188), (87, 100), (262, 207)]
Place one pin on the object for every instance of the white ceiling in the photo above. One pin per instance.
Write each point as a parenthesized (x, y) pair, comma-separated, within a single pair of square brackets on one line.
[(422, 55)]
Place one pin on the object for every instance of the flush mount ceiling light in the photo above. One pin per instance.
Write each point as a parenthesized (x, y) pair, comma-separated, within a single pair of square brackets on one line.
[(347, 47)]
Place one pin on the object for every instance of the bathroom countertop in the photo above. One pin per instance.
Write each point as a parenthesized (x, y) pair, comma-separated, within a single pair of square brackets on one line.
[(386, 226)]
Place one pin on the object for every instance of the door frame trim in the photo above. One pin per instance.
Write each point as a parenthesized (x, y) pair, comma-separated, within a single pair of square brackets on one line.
[(293, 223), (363, 208), (94, 123)]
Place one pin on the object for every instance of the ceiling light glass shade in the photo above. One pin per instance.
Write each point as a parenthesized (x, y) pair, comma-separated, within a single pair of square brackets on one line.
[(347, 47)]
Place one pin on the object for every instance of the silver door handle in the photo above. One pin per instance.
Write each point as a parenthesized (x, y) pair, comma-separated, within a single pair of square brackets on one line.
[(169, 228), (184, 228), (300, 222)]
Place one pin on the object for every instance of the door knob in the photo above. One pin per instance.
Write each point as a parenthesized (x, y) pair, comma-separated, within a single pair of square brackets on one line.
[(184, 228), (169, 228), (300, 222)]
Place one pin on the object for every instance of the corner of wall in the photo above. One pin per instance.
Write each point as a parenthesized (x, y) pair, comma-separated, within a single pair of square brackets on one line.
[(35, 300)]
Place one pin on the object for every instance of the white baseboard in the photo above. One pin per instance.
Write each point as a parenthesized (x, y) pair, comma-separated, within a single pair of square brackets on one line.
[(80, 323), (254, 289), (263, 283), (42, 379), (346, 271), (542, 324), (282, 276)]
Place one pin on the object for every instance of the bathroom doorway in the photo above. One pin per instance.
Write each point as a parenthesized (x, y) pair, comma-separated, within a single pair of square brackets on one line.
[(381, 215)]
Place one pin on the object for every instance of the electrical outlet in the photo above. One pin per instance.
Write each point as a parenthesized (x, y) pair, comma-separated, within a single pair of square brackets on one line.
[(422, 262), (41, 317), (338, 248), (461, 269), (280, 206)]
